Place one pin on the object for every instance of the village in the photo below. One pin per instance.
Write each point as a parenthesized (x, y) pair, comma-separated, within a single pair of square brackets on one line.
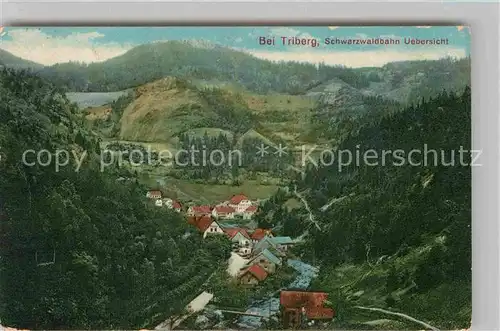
[(257, 253)]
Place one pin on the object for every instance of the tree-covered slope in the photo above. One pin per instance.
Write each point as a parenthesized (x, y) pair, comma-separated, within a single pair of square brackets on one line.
[(149, 62), (11, 61), (389, 233), (79, 250)]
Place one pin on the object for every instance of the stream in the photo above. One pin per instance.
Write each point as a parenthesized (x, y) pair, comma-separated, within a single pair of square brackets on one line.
[(271, 305)]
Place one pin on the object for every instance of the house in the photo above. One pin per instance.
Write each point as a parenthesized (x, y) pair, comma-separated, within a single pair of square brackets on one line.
[(208, 226), (154, 194), (298, 307), (263, 244), (252, 275), (249, 212), (277, 253), (223, 212), (176, 205), (240, 203), (199, 210), (267, 260), (159, 202), (258, 234), (172, 204), (239, 236), (282, 243)]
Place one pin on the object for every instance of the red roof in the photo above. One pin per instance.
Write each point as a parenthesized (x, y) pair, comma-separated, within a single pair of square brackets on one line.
[(231, 232), (201, 209), (257, 271), (155, 192), (320, 313), (203, 223), (224, 209), (258, 234), (176, 204), (192, 220), (238, 198), (313, 302), (251, 209)]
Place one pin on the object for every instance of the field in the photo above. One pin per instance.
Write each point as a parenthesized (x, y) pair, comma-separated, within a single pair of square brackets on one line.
[(199, 192)]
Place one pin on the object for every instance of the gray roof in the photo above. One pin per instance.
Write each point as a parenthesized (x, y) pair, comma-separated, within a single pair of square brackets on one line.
[(263, 243), (271, 257)]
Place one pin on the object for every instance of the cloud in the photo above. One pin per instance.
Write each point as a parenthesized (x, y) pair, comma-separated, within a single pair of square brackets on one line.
[(333, 27), (289, 32), (35, 45), (356, 59)]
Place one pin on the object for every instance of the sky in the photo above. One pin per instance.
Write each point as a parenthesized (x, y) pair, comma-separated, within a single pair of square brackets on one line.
[(50, 45)]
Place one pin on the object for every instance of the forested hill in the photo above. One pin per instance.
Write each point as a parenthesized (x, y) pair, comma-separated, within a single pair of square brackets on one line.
[(9, 60), (78, 250), (402, 81), (398, 235), (149, 62)]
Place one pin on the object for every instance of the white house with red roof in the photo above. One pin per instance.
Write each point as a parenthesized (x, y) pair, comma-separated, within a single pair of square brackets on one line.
[(154, 194), (223, 212), (239, 235), (241, 238), (207, 226), (259, 234), (199, 210), (240, 203), (176, 205), (172, 204), (249, 212)]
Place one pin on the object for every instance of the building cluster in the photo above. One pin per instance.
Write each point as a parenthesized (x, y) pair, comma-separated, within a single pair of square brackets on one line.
[(299, 307), (263, 252), (161, 201), (239, 206)]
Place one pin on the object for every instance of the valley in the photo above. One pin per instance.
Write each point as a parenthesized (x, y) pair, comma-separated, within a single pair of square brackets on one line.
[(196, 208)]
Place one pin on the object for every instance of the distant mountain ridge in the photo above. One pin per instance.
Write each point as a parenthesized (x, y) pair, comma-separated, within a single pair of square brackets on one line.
[(206, 61), (402, 81), (150, 62)]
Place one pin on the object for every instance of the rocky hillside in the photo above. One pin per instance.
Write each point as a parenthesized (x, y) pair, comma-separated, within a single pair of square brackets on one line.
[(165, 108), (340, 97)]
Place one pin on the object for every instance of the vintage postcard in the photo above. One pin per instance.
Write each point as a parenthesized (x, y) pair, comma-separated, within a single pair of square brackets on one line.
[(217, 178)]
